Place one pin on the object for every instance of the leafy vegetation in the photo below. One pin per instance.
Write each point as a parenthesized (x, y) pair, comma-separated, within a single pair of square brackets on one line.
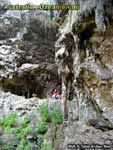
[(9, 120), (42, 127), (7, 147), (24, 145), (54, 116), (17, 129), (46, 147), (44, 113)]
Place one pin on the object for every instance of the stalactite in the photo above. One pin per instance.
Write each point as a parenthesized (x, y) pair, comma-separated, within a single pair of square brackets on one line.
[(63, 56), (91, 14)]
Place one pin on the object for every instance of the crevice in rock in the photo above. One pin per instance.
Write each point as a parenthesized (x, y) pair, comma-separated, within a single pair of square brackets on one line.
[(85, 35)]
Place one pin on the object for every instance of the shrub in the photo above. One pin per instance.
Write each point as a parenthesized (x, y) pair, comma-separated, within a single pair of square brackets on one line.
[(1, 142), (27, 130), (18, 130), (23, 145), (7, 147), (27, 147), (44, 113), (25, 121), (9, 120), (8, 130), (46, 147), (42, 127), (56, 116)]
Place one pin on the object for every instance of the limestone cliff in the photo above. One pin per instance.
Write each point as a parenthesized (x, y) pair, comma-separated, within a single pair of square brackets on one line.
[(72, 50), (82, 53), (27, 41), (84, 56)]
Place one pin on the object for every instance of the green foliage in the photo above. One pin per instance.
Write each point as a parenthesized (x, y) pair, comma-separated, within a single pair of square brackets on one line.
[(25, 121), (9, 120), (42, 127), (20, 147), (19, 131), (8, 130), (7, 147), (23, 145), (16, 130), (56, 116), (1, 142), (27, 130), (27, 147), (44, 113), (46, 147)]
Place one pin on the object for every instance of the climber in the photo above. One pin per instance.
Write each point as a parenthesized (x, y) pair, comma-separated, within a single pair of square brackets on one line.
[(55, 94)]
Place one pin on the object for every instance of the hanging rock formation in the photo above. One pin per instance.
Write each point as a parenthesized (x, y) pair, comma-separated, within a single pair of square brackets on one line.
[(82, 50)]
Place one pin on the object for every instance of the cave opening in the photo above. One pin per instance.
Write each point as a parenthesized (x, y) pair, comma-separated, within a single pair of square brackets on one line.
[(26, 92), (85, 35), (23, 87)]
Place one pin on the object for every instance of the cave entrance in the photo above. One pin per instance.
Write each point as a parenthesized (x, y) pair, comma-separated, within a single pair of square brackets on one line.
[(23, 87), (85, 36)]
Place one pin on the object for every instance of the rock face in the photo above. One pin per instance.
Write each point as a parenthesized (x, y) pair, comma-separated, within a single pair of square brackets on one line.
[(11, 103), (84, 56), (76, 134), (27, 53), (84, 53), (2, 3)]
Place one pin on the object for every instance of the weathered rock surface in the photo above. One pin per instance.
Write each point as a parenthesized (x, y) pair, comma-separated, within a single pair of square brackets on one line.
[(27, 53), (12, 103), (84, 57), (78, 134), (84, 54)]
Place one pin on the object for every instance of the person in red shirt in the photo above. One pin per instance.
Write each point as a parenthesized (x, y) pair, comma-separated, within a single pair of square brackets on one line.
[(55, 94)]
